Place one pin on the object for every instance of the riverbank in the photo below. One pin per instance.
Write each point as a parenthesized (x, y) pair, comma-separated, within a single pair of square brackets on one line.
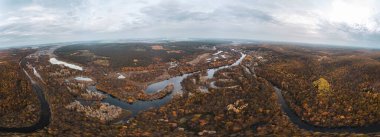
[(44, 114)]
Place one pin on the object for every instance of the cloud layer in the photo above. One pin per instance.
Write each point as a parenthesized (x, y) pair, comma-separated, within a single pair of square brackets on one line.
[(343, 22)]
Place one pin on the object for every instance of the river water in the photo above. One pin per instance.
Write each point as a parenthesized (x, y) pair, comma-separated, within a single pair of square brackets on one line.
[(294, 118), (139, 106), (44, 115), (178, 79)]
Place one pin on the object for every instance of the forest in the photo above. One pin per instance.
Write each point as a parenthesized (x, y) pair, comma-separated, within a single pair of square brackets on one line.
[(134, 54), (326, 87)]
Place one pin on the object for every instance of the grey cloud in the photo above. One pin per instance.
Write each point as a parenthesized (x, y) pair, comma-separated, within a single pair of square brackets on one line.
[(239, 12), (174, 11), (13, 4), (278, 20)]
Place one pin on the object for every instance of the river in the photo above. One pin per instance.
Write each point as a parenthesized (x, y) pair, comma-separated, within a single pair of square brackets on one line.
[(139, 106), (45, 113), (294, 118)]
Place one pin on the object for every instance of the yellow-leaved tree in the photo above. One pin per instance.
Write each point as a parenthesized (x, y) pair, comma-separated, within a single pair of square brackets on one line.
[(323, 86)]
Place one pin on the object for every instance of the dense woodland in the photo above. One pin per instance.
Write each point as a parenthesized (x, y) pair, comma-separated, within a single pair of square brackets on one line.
[(134, 54), (326, 87), (18, 103)]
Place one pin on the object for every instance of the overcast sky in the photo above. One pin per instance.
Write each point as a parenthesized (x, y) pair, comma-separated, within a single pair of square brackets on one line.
[(341, 22)]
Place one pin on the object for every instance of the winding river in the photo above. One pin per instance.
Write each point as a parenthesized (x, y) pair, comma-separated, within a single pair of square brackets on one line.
[(139, 106), (294, 118), (45, 113)]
